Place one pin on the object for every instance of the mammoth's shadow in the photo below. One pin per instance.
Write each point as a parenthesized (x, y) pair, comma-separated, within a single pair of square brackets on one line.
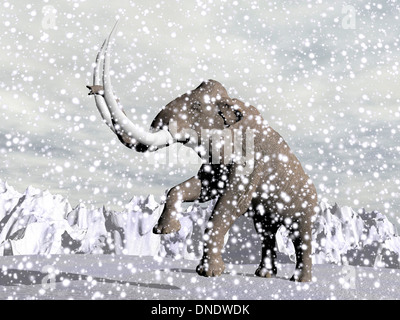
[(244, 274), (14, 277)]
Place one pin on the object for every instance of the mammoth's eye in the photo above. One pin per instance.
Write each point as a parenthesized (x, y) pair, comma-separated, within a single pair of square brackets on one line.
[(196, 105)]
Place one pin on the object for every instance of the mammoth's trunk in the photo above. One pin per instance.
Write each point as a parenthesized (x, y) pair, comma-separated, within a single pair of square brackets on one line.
[(128, 133)]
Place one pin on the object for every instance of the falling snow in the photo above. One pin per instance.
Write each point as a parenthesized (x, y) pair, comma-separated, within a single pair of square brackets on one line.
[(330, 88)]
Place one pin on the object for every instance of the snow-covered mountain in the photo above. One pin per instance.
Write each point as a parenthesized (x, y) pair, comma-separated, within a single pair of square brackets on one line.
[(37, 222)]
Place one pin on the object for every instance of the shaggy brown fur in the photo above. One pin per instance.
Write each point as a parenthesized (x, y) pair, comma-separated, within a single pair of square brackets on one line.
[(276, 192)]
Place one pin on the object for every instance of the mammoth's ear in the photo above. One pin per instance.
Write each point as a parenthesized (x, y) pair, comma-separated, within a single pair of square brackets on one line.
[(231, 110)]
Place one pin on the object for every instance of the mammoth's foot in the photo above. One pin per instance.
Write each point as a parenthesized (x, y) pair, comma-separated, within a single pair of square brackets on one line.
[(263, 272), (211, 267), (301, 276), (165, 226)]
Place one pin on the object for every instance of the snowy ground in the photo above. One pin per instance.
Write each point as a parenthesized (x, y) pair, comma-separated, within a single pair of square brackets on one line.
[(50, 251), (128, 277)]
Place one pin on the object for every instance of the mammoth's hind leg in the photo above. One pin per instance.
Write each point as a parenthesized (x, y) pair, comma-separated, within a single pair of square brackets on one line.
[(300, 232), (187, 191), (267, 231)]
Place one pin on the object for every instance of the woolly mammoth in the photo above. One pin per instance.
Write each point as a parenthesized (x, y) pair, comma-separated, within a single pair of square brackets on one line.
[(246, 164)]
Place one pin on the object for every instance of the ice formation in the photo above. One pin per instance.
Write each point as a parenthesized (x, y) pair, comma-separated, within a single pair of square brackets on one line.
[(37, 222)]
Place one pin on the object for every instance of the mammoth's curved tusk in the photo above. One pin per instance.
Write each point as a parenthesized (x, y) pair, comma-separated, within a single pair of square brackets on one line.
[(100, 102), (112, 113), (128, 131)]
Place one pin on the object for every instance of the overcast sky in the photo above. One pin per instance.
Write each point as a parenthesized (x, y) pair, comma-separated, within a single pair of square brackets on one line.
[(330, 90)]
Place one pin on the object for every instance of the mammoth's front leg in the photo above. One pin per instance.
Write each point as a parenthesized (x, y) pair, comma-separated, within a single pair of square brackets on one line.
[(221, 220), (234, 202), (186, 191)]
